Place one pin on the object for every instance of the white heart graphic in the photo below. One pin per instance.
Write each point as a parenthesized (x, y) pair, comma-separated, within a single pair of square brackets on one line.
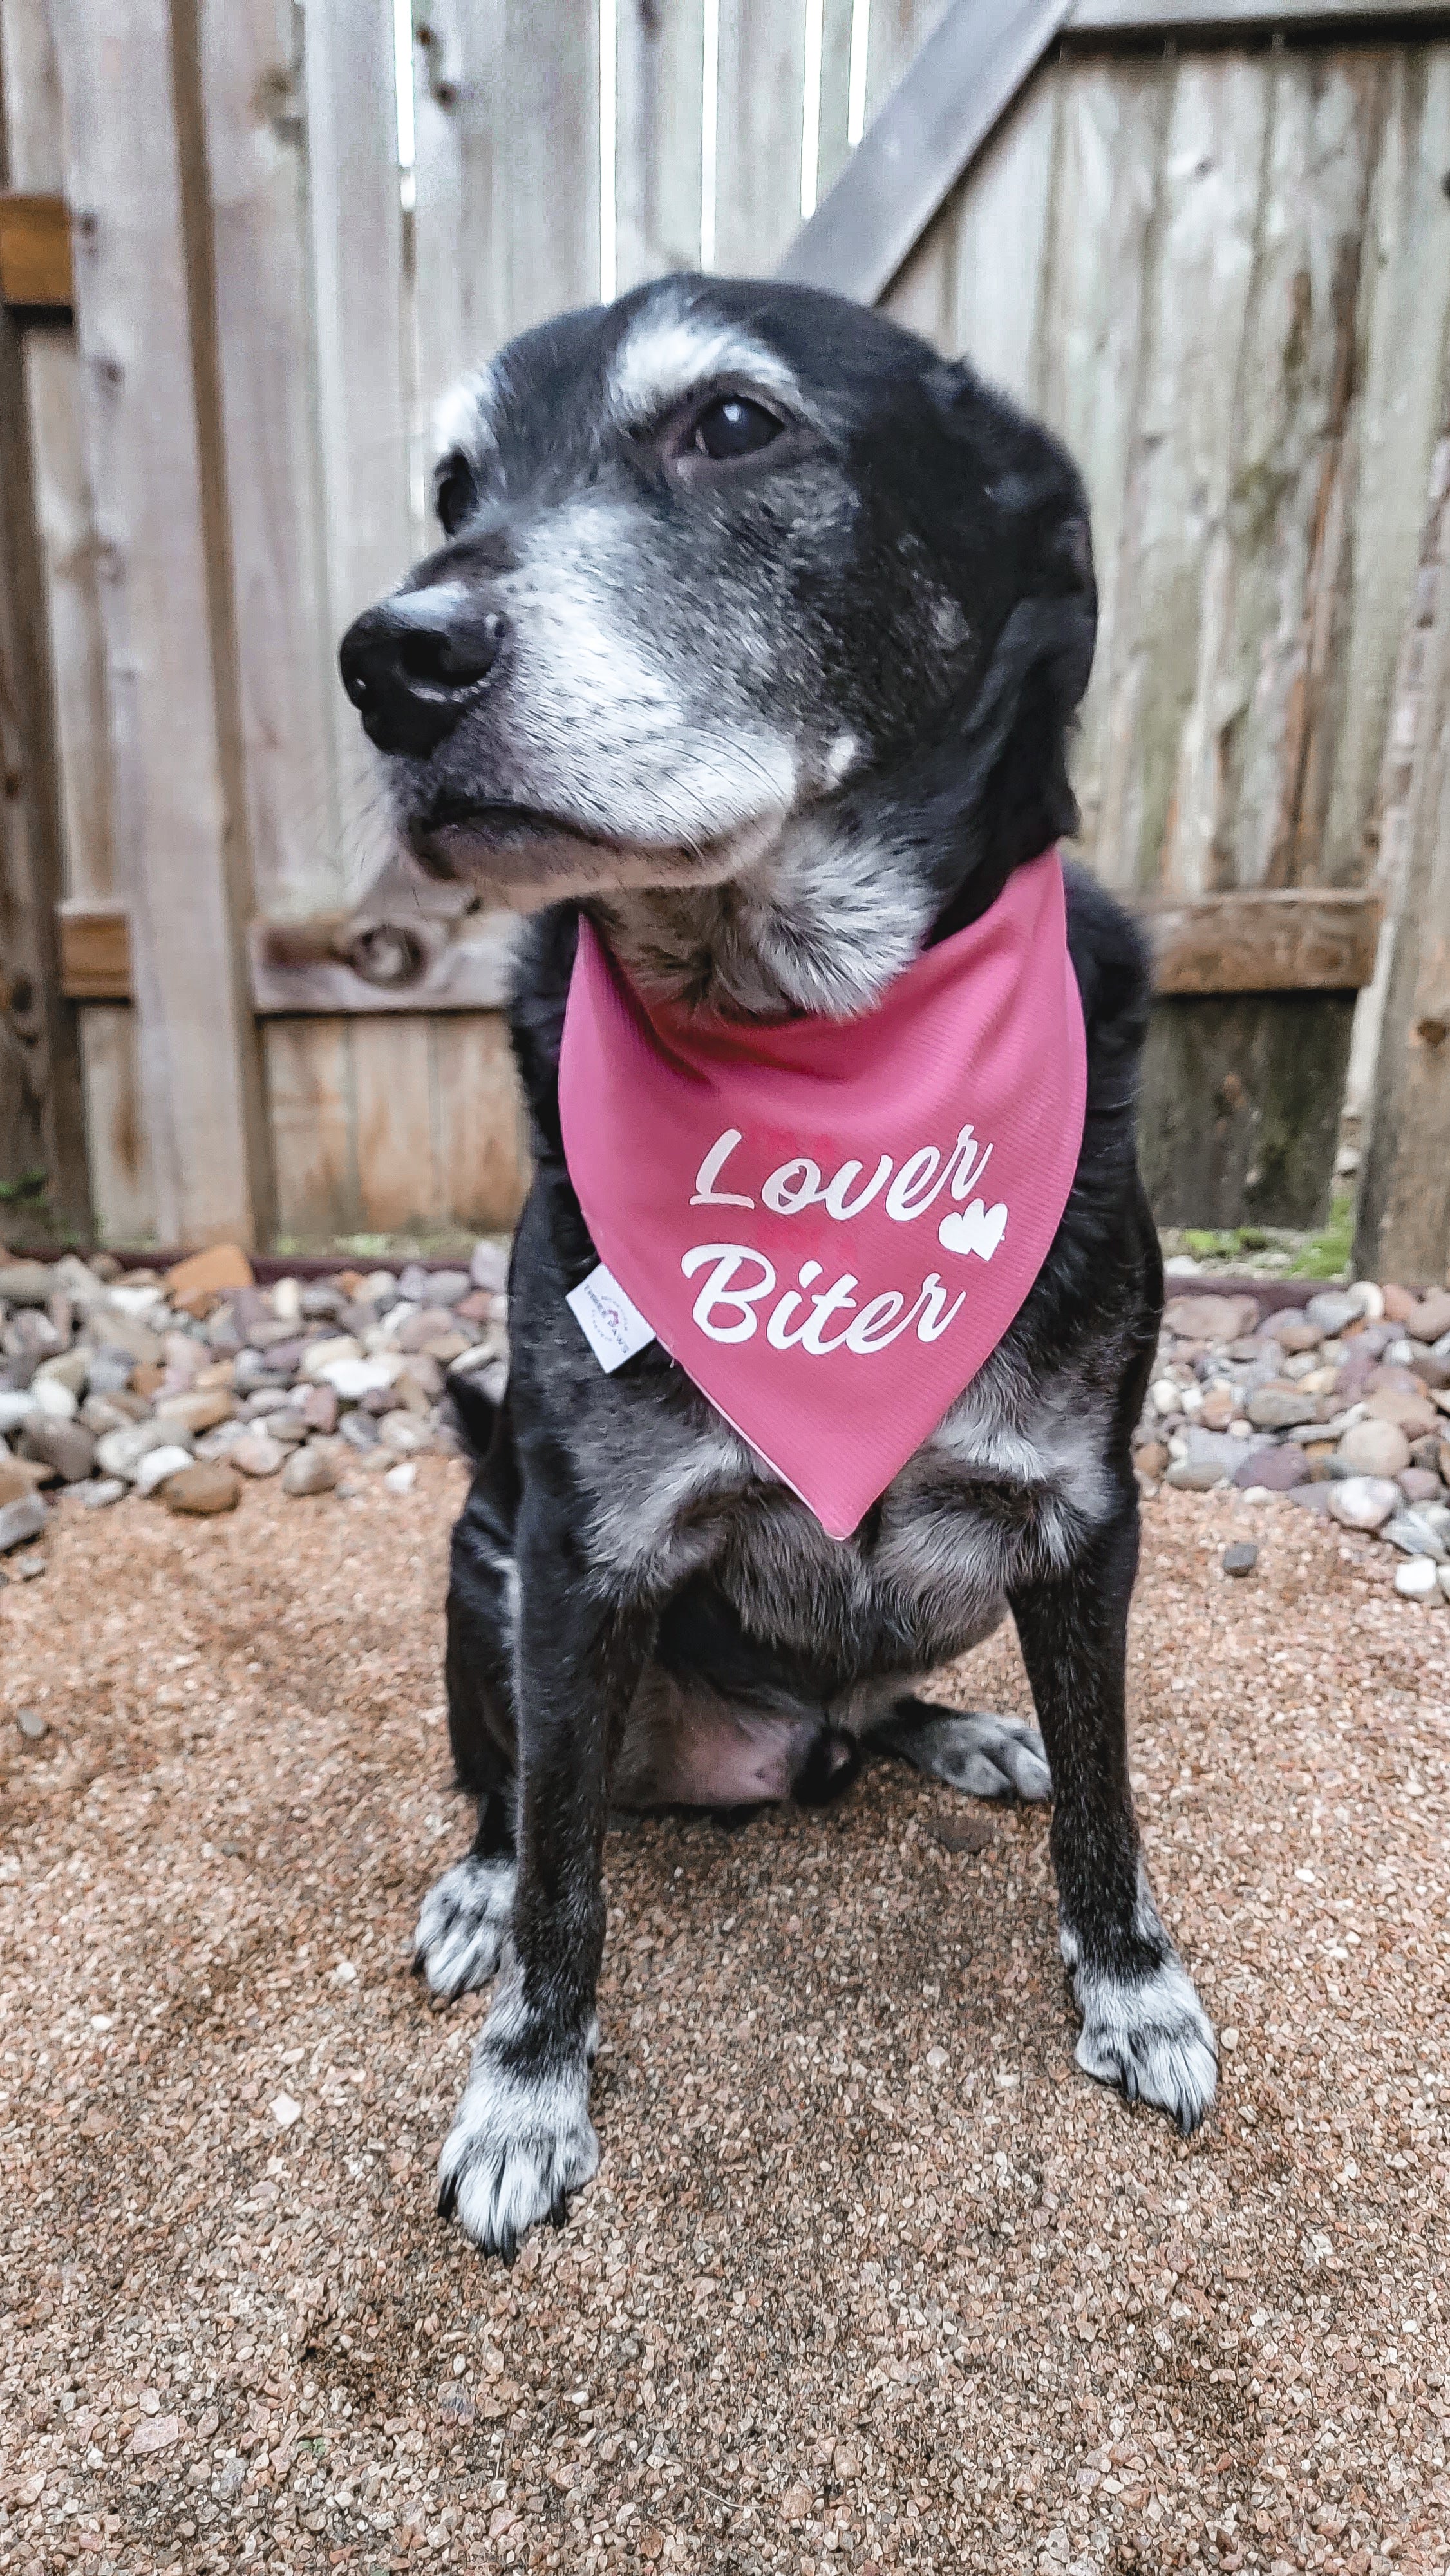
[(977, 1229)]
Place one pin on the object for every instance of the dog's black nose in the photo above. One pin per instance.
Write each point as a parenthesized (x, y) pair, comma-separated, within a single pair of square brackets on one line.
[(411, 664)]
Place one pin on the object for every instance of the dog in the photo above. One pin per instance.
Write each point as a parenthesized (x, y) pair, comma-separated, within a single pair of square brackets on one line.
[(755, 635)]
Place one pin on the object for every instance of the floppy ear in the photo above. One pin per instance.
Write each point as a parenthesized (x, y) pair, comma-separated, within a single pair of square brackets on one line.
[(1035, 535)]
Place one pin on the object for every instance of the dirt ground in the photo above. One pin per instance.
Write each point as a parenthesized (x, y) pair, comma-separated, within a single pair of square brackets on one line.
[(871, 2277)]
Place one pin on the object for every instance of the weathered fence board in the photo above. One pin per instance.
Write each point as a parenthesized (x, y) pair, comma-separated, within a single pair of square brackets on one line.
[(1222, 273)]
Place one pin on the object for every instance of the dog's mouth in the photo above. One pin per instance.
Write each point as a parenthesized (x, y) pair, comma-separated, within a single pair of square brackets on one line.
[(501, 841)]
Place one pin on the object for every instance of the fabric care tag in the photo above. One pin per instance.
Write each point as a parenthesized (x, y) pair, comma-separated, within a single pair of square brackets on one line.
[(831, 1224), (613, 1328)]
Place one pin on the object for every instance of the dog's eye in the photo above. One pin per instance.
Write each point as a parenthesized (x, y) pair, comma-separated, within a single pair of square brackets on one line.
[(454, 494), (734, 427)]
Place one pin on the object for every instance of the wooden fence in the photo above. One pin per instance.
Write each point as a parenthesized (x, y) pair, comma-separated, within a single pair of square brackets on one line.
[(1219, 264)]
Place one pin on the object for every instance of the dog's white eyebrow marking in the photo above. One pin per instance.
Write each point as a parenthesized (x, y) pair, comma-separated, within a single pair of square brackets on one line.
[(666, 355), (463, 418)]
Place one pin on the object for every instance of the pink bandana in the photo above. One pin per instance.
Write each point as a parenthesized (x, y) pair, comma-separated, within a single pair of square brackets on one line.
[(831, 1224)]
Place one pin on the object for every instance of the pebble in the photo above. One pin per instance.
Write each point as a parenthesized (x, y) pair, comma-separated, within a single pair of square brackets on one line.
[(1332, 1308), (64, 1446), (158, 1464), (202, 1489), (1197, 1319), (1419, 1484), (401, 1479), (448, 1287), (256, 1453), (1241, 1557), (21, 1521), (489, 1267), (1208, 1459), (1274, 1470), (319, 1357), (199, 1411), (1428, 1319), (54, 1397), (1415, 1414), (19, 1477), (102, 1490), (352, 1379), (1279, 1406), (1416, 1535), (1364, 1502), (309, 1471), (31, 1724), (16, 1406), (1419, 1579), (119, 1453), (406, 1435), (1372, 1447), (360, 1430), (26, 1283)]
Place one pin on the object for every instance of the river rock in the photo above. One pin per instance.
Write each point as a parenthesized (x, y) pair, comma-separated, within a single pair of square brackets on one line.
[(448, 1287), (322, 1355), (22, 1476), (63, 1446), (110, 1370), (1373, 1447), (360, 1430), (197, 1411), (1417, 1581), (1419, 1484), (1277, 1470), (402, 1478), (102, 1490), (1415, 1414), (256, 1453), (1278, 1406), (55, 1399), (1150, 1459), (21, 1521), (26, 1283), (489, 1266), (1297, 1334), (403, 1433), (153, 1470), (320, 1301), (16, 1406), (1428, 1319), (309, 1471), (1241, 1557), (1193, 1319), (352, 1379), (1209, 1458), (202, 1489), (1415, 1535), (1364, 1502), (318, 1407), (119, 1453), (1332, 1308)]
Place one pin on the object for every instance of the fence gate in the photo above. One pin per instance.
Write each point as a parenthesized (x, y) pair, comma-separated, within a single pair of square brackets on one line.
[(244, 247)]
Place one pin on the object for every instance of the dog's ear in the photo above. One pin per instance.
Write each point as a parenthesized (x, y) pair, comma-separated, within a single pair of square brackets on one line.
[(1028, 541)]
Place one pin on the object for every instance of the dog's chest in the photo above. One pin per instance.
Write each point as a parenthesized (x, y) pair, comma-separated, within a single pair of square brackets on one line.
[(1001, 1494)]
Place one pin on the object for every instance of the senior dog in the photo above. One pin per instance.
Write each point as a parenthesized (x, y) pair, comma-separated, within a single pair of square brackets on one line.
[(750, 655)]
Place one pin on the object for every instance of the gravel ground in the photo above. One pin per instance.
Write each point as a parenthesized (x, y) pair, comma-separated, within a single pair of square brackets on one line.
[(870, 2277)]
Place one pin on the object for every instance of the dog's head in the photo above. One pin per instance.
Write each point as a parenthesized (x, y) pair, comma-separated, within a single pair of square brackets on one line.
[(741, 586)]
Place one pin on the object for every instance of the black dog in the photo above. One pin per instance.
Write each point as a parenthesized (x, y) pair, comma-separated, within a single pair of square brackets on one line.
[(758, 630)]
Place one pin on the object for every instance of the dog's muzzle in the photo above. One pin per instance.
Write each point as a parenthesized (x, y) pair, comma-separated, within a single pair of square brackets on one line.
[(413, 664)]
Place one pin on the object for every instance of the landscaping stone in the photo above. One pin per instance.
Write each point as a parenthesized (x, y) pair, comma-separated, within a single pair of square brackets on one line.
[(256, 1453), (1418, 1581), (1373, 1447), (1279, 1405), (1275, 1470), (1241, 1557), (1364, 1502), (21, 1521), (157, 1465), (202, 1489), (1194, 1319), (1415, 1536), (120, 1453), (61, 1446), (309, 1471), (1332, 1308)]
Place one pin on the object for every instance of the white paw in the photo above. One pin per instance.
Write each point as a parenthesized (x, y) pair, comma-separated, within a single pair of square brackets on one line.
[(1150, 2036), (519, 2144), (465, 1918), (990, 1757)]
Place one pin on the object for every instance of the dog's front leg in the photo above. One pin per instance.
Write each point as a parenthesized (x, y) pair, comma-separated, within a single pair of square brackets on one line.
[(1144, 2028), (522, 2139)]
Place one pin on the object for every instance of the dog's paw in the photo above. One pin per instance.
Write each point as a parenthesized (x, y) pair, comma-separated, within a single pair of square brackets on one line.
[(1150, 2036), (519, 2145), (462, 1927), (989, 1757)]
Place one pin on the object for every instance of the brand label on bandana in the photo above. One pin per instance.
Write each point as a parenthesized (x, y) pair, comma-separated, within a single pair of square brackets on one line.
[(831, 1224), (613, 1327)]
